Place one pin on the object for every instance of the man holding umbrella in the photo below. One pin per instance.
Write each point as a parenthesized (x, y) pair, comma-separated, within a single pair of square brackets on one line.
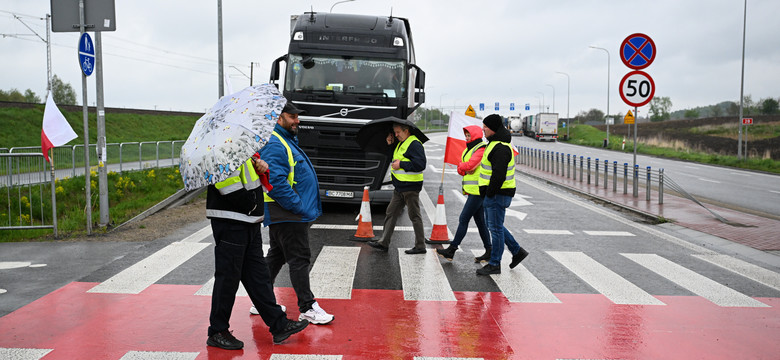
[(407, 176)]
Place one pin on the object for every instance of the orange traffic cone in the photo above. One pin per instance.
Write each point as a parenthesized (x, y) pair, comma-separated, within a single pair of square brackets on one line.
[(365, 230), (439, 234)]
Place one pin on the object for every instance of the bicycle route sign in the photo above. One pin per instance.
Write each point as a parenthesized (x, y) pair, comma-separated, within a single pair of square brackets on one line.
[(637, 51), (86, 54)]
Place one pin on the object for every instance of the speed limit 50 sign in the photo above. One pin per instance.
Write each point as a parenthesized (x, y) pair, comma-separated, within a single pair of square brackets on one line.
[(637, 88)]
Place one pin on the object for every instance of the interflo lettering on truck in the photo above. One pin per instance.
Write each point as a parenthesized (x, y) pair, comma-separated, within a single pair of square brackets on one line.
[(350, 39)]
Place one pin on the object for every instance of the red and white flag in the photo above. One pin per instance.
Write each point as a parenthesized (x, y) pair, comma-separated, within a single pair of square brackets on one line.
[(56, 130), (456, 140)]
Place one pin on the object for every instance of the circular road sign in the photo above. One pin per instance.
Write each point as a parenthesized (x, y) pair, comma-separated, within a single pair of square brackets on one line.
[(86, 54), (637, 51), (637, 88)]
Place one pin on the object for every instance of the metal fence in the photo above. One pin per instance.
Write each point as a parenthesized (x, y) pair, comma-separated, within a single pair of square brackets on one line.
[(596, 172), (27, 180), (29, 192)]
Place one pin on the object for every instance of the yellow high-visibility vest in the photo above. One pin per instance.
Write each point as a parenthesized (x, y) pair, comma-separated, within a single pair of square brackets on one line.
[(291, 175), (471, 181), (486, 169), (398, 154)]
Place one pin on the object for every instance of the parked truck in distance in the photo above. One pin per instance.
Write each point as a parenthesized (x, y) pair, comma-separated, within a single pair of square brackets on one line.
[(542, 126), (515, 125)]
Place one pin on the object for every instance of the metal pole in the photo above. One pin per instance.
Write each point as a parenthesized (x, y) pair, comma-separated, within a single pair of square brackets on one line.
[(742, 83), (608, 61), (614, 176), (53, 196), (588, 170), (48, 67), (647, 195), (636, 181), (597, 172), (660, 186), (101, 129), (606, 173), (625, 178), (85, 110), (220, 72), (568, 119), (553, 87)]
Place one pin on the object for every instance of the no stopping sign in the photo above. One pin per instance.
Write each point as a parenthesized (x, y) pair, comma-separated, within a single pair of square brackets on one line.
[(637, 88)]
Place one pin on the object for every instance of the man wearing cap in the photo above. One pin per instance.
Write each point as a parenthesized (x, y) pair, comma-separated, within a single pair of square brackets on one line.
[(497, 185), (290, 207)]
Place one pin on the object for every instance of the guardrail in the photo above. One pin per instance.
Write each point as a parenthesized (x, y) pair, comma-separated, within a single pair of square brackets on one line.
[(29, 191), (594, 172)]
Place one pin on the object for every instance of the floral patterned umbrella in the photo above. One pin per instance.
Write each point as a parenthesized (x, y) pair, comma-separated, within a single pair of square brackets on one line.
[(228, 134)]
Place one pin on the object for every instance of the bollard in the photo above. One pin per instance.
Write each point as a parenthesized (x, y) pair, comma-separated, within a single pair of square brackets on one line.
[(635, 181), (588, 170), (568, 166), (597, 172), (555, 164), (606, 174), (625, 178), (581, 157), (614, 176), (661, 186), (549, 160), (574, 165), (647, 196)]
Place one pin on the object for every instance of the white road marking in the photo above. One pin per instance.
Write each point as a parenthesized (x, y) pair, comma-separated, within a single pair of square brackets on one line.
[(710, 181), (548, 232), (604, 280), (776, 192), (423, 278), (304, 357), (518, 284), (146, 272), (23, 354), (354, 227), (719, 294), (748, 270), (333, 272), (159, 355), (608, 233), (444, 358)]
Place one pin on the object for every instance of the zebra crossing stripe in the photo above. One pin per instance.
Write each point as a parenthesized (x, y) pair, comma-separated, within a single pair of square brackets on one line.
[(354, 227), (709, 289), (748, 270), (146, 272), (159, 355), (333, 272), (423, 278), (304, 357), (23, 354), (444, 358), (519, 285), (613, 286), (608, 233), (548, 232)]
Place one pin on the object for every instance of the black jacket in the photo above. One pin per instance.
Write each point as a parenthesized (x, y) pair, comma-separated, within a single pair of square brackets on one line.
[(499, 158), (244, 206), (417, 162)]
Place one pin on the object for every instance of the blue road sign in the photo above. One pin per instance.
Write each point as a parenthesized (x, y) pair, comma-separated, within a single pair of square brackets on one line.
[(511, 106), (637, 51), (86, 54), (527, 107), (496, 105), (481, 106)]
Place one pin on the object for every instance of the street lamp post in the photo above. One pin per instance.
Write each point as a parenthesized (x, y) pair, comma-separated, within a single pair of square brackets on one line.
[(541, 109), (607, 51), (568, 119), (553, 87), (441, 109), (742, 86)]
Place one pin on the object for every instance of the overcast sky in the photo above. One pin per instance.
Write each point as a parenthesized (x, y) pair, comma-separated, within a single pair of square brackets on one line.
[(164, 52)]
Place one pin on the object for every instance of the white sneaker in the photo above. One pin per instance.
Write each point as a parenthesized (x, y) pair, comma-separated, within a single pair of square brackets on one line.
[(316, 315), (253, 310)]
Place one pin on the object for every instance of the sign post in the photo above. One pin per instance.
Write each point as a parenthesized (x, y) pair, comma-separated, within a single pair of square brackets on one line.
[(746, 122), (637, 88)]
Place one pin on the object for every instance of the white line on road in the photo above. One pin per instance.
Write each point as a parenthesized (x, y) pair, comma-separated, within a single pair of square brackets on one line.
[(708, 180), (604, 280), (23, 354), (776, 192), (548, 232), (518, 284), (159, 355), (709, 289), (333, 273), (304, 357), (608, 233), (423, 278), (354, 227), (748, 270), (146, 272)]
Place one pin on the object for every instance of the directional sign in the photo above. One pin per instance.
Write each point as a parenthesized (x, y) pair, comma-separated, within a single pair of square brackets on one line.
[(637, 51), (527, 107), (481, 106), (637, 88), (86, 54), (512, 106), (496, 105)]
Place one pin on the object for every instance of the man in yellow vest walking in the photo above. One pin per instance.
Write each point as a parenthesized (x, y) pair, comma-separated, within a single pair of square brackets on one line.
[(407, 175), (497, 185)]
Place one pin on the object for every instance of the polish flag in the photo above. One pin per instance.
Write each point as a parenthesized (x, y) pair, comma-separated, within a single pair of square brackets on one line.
[(56, 130), (456, 140)]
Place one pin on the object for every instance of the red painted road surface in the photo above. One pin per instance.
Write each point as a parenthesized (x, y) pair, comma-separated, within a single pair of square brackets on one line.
[(380, 324)]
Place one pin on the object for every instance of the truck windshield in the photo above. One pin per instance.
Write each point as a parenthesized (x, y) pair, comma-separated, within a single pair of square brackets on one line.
[(345, 75)]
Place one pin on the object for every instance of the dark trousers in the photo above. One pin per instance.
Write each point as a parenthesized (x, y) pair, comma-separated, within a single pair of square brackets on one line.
[(238, 257), (290, 244), (472, 208), (410, 199)]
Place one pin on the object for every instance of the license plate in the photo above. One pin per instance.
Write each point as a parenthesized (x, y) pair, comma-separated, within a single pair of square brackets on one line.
[(339, 194)]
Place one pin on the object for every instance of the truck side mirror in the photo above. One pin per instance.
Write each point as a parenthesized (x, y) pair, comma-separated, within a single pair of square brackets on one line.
[(419, 97), (275, 68), (419, 80)]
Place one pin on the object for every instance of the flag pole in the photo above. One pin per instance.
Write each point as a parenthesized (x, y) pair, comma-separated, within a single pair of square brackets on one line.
[(53, 193)]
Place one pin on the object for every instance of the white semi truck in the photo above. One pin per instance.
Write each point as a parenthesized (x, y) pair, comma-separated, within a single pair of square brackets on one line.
[(542, 126), (515, 125)]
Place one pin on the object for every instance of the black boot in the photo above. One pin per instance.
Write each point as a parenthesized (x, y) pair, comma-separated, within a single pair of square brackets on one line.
[(484, 257), (447, 253)]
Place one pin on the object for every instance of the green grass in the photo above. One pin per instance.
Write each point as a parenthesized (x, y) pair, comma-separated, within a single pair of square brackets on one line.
[(129, 194), (587, 135)]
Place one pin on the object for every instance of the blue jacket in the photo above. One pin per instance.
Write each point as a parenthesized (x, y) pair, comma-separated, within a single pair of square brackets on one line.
[(301, 202)]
